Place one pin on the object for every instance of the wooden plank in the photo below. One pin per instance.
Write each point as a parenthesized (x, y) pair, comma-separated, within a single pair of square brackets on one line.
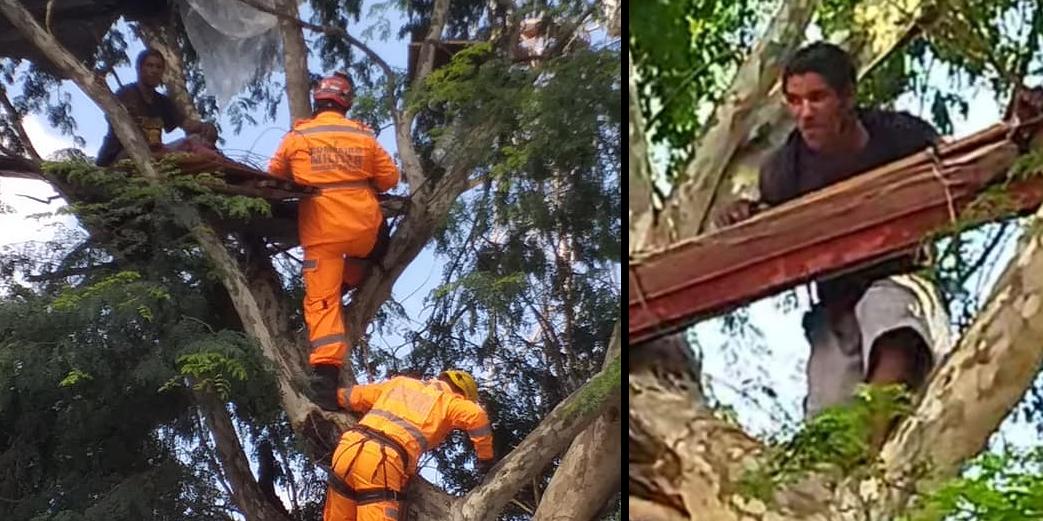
[(871, 217)]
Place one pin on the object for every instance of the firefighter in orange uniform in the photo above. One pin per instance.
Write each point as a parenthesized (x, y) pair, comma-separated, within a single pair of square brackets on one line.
[(343, 159), (404, 417)]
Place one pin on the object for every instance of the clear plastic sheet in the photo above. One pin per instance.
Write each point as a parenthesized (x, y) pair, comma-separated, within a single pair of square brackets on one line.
[(235, 43)]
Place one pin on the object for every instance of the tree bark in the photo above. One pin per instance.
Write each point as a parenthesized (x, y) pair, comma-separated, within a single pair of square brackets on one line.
[(295, 60), (412, 170), (426, 61), (16, 124), (978, 386), (639, 211), (753, 81), (533, 454), (590, 468), (246, 493), (610, 10)]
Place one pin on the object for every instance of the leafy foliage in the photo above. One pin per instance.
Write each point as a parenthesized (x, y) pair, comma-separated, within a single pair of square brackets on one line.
[(530, 305), (685, 53), (996, 486), (835, 441)]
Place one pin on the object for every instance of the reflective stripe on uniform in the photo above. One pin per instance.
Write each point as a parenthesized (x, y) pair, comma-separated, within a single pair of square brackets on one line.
[(310, 263), (409, 427), (333, 128), (480, 431), (391, 513), (328, 339)]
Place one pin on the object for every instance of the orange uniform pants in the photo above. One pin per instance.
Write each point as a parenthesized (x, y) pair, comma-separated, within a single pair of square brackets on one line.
[(365, 465), (325, 270)]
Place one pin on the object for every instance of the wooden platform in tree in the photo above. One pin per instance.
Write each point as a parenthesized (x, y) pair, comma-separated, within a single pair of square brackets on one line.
[(880, 214), (282, 194), (241, 179)]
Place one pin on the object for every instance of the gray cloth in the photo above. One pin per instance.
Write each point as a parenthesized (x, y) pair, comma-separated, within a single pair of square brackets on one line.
[(841, 348)]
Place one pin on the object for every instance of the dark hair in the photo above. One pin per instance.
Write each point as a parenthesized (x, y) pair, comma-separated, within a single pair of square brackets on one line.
[(143, 55), (827, 60)]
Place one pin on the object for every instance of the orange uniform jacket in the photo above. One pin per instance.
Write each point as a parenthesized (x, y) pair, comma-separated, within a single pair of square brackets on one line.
[(419, 414), (343, 158)]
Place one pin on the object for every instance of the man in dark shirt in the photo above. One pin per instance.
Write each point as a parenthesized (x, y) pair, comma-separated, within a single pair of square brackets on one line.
[(881, 324), (153, 111)]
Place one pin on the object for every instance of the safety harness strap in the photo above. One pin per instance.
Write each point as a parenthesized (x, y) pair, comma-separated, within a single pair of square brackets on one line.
[(386, 440), (363, 497)]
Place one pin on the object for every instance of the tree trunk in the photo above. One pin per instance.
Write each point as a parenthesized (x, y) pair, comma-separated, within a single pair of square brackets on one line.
[(639, 211), (753, 81), (610, 10), (590, 468), (539, 448), (246, 493), (295, 59), (426, 62)]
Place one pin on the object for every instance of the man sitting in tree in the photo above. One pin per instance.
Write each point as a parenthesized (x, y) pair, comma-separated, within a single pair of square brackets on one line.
[(881, 324), (153, 111)]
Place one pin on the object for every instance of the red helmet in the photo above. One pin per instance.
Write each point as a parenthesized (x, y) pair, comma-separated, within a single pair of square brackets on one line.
[(336, 88)]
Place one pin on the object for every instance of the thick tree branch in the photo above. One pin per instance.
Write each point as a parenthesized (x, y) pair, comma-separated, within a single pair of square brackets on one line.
[(639, 211), (554, 433), (611, 13), (211, 457), (296, 61), (426, 60), (590, 468), (16, 122), (980, 383), (246, 493)]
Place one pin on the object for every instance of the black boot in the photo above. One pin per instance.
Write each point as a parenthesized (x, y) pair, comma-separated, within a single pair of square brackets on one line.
[(324, 381)]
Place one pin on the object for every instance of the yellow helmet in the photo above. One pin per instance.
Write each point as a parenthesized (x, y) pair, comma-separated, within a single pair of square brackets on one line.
[(463, 381)]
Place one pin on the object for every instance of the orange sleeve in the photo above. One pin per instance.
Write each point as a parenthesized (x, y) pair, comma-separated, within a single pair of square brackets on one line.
[(469, 417), (279, 165), (363, 396), (385, 173)]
